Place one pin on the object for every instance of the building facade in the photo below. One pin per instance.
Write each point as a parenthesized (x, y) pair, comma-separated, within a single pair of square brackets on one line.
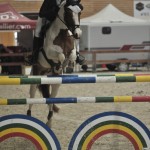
[(30, 9), (90, 6)]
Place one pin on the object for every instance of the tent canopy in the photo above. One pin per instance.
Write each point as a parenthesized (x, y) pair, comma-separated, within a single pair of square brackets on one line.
[(12, 20), (110, 14)]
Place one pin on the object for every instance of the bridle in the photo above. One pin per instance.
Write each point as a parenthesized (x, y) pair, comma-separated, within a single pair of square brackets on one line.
[(69, 27), (72, 29)]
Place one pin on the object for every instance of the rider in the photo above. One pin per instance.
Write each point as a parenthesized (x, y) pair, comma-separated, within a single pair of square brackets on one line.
[(47, 15)]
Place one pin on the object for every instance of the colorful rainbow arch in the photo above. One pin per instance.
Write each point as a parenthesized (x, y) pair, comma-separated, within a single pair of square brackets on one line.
[(110, 122), (30, 128)]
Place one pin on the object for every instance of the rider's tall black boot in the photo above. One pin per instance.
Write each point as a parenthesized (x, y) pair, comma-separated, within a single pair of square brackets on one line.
[(37, 44)]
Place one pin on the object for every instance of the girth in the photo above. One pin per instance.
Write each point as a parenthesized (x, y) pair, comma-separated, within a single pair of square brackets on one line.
[(50, 61)]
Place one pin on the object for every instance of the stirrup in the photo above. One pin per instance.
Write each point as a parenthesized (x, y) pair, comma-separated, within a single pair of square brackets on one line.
[(28, 60)]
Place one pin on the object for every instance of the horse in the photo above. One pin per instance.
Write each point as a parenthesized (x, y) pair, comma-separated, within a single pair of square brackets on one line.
[(58, 50)]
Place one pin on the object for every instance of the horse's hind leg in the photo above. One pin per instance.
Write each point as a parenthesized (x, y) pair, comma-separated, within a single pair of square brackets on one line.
[(32, 95), (54, 91), (70, 67), (44, 89), (52, 107)]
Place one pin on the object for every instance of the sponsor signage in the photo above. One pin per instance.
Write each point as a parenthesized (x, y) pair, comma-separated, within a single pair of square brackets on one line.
[(142, 9), (8, 16), (11, 20)]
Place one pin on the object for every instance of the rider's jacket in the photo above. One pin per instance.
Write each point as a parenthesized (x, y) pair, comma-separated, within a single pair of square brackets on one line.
[(49, 10)]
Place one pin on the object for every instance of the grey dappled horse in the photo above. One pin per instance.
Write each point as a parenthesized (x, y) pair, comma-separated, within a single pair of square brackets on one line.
[(59, 49)]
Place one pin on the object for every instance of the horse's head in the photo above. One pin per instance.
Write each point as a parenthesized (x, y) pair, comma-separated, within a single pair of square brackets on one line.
[(71, 17)]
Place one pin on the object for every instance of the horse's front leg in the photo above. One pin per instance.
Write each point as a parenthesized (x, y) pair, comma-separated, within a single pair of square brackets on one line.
[(52, 107), (59, 69), (32, 95), (72, 61)]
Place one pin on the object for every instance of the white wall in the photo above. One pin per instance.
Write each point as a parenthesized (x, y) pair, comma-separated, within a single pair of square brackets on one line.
[(120, 35)]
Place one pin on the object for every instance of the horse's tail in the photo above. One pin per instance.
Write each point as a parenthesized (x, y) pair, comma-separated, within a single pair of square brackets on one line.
[(45, 90)]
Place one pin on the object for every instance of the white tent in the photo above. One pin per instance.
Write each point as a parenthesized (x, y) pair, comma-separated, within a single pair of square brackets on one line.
[(110, 14), (122, 30)]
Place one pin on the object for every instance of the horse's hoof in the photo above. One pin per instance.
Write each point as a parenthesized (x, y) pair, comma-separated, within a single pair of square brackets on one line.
[(55, 108), (50, 114), (69, 70), (49, 123), (84, 67), (28, 112)]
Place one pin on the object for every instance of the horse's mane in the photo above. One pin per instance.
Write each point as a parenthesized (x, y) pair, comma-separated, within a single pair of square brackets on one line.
[(63, 2), (61, 8)]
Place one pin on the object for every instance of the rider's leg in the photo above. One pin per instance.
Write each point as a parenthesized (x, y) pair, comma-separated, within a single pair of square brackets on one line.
[(80, 59), (37, 41), (37, 44)]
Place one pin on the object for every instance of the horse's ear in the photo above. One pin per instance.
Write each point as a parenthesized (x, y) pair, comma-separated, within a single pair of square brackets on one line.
[(81, 6)]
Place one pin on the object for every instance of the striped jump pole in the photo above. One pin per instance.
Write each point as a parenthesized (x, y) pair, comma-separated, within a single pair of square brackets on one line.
[(77, 75), (73, 80), (23, 101)]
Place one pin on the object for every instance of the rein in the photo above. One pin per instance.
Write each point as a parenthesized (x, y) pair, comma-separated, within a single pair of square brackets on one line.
[(61, 20), (63, 23), (69, 28)]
